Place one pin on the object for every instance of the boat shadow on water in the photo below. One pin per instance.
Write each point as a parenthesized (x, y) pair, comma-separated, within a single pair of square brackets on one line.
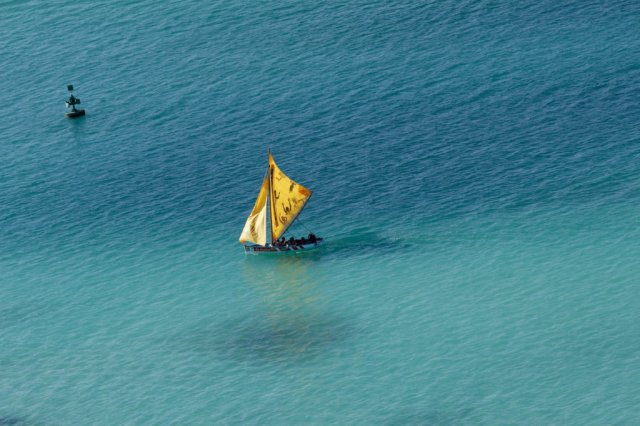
[(285, 339), (292, 322), (14, 421), (429, 417)]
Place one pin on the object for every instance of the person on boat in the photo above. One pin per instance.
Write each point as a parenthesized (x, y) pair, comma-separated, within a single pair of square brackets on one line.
[(292, 241), (280, 242), (303, 241), (312, 237)]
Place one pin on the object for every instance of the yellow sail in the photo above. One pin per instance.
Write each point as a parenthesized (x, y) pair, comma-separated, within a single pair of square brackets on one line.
[(287, 200), (255, 230)]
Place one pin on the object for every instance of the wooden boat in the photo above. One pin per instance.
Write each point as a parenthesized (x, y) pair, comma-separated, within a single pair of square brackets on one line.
[(282, 200), (291, 248)]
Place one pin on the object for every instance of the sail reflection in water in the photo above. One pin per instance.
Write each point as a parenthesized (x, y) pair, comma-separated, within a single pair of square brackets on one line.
[(288, 290)]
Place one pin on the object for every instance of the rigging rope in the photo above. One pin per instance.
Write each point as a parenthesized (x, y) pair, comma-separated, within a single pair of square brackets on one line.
[(303, 225)]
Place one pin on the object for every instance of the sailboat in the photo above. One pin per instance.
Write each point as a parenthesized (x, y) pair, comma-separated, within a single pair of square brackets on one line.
[(283, 199)]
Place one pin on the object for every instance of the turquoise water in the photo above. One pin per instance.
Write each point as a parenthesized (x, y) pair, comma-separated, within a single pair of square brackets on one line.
[(475, 173)]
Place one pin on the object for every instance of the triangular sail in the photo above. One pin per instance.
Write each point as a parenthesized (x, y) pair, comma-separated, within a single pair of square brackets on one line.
[(287, 199), (255, 230)]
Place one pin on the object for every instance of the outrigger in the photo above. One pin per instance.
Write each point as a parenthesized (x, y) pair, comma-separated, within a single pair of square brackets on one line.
[(72, 102), (286, 199)]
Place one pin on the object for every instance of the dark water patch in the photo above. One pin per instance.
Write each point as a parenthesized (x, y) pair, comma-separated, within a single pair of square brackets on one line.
[(18, 314), (287, 339), (14, 421), (363, 242), (434, 417)]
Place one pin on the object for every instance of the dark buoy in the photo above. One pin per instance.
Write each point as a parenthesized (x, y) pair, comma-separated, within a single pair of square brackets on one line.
[(72, 102)]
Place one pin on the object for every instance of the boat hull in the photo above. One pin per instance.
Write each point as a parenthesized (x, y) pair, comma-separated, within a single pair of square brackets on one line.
[(74, 114), (289, 248)]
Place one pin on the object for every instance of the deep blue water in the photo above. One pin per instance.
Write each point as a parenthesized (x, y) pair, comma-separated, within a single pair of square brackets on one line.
[(476, 173)]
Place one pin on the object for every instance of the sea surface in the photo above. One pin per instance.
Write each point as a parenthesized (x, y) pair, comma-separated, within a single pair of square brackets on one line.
[(476, 175)]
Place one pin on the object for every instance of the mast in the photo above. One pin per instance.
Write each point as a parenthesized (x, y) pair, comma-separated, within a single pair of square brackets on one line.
[(269, 198), (272, 204)]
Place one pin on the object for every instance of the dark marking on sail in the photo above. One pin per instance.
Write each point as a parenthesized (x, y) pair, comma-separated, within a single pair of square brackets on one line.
[(304, 191), (252, 228), (286, 209), (274, 217), (274, 197)]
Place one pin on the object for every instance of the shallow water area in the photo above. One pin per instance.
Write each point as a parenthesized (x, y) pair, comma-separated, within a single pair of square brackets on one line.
[(475, 176)]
